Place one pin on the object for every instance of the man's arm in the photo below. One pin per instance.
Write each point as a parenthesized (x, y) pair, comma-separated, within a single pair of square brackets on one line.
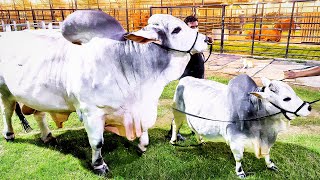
[(305, 73)]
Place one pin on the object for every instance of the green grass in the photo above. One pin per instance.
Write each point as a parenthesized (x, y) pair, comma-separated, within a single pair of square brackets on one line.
[(297, 155)]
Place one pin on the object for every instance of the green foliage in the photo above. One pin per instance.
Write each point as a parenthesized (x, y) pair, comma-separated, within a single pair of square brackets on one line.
[(169, 90)]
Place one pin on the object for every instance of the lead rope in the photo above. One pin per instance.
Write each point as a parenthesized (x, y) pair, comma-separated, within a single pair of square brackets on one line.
[(210, 52)]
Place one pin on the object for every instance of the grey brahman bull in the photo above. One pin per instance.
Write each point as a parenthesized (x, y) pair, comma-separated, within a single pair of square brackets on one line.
[(235, 112), (111, 78)]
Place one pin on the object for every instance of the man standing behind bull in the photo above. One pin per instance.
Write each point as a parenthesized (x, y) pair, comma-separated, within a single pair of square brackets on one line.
[(195, 67)]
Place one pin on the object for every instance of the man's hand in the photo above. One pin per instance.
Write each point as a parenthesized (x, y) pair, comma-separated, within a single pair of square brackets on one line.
[(289, 74), (208, 40)]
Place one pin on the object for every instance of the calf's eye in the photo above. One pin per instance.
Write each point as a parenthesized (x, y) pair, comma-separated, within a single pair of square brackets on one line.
[(176, 30), (287, 99)]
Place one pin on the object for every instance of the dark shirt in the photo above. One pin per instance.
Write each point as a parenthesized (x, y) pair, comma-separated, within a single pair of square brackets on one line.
[(195, 67)]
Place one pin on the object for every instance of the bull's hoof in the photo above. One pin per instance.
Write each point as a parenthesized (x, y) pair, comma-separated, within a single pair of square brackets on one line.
[(241, 175), (9, 136), (173, 142), (273, 168), (141, 149), (101, 170), (180, 137), (49, 139), (201, 144)]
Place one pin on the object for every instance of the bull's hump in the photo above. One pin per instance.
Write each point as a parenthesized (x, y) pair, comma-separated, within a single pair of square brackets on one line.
[(83, 25), (242, 83)]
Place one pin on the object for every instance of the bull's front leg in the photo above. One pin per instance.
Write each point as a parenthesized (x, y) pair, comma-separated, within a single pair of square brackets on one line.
[(237, 150), (144, 141), (94, 125)]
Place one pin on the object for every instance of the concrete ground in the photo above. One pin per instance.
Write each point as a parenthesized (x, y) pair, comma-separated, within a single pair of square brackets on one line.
[(269, 68)]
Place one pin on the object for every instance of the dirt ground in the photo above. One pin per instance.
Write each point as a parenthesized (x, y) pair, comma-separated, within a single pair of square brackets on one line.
[(232, 65)]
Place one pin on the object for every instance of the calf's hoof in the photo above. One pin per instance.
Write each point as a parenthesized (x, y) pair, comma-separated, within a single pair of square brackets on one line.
[(9, 136), (101, 170)]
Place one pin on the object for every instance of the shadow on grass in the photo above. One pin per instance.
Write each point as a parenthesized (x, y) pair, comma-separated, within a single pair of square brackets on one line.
[(164, 161)]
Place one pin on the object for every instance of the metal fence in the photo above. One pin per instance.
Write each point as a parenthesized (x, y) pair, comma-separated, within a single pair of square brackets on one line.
[(285, 30)]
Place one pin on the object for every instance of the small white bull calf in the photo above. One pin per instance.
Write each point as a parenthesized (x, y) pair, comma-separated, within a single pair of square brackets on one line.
[(235, 110)]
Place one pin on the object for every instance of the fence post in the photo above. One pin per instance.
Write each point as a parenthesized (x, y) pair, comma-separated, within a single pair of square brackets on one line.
[(62, 14), (28, 25), (33, 16), (222, 29), (127, 16), (150, 11), (15, 26), (43, 25), (289, 32), (261, 19), (8, 28), (254, 28)]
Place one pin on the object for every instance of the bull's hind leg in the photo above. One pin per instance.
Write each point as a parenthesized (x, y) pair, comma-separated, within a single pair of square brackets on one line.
[(46, 135), (7, 108), (176, 125)]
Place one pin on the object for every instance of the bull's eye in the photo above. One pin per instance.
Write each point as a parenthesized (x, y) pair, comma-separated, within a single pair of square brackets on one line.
[(287, 99), (176, 30)]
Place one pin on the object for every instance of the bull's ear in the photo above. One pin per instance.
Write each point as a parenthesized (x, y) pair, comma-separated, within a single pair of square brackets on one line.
[(143, 36), (260, 95), (265, 81)]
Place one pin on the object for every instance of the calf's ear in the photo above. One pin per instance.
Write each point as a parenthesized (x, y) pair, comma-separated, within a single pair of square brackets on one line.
[(143, 36), (260, 95), (265, 81)]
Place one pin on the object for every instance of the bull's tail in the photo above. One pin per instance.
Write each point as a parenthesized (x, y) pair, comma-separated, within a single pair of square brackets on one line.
[(23, 120)]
